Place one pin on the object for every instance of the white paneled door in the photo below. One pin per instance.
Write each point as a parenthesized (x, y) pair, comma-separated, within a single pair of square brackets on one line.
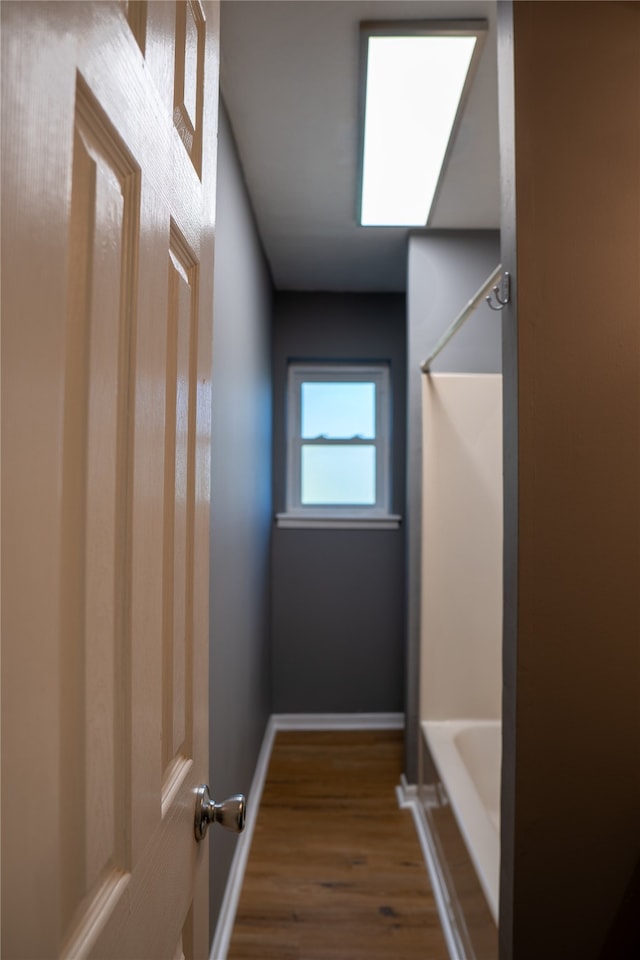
[(109, 123)]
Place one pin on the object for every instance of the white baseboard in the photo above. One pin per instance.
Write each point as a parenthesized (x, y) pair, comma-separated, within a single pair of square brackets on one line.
[(407, 795), (227, 915), (338, 721), (280, 721), (406, 792)]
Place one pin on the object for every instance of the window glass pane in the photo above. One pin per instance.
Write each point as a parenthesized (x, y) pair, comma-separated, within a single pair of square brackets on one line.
[(338, 410), (338, 474)]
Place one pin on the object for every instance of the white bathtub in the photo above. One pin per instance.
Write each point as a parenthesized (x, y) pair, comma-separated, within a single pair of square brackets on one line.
[(467, 754)]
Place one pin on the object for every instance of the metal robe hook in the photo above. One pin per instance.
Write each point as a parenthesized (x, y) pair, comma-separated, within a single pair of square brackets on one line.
[(502, 293)]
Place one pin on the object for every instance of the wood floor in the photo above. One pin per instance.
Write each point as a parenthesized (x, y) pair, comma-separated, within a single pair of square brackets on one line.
[(335, 870)]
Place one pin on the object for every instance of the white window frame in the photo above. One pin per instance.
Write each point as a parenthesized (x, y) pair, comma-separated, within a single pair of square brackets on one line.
[(338, 515)]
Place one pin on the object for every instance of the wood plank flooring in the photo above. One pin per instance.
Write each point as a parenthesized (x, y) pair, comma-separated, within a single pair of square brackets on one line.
[(335, 870)]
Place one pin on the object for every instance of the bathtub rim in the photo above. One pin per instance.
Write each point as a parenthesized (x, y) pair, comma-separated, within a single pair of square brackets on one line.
[(478, 831)]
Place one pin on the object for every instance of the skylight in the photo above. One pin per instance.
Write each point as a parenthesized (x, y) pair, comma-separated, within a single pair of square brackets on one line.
[(414, 84)]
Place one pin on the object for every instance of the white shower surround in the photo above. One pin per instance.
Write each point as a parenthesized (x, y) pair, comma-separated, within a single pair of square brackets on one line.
[(467, 755), (461, 620)]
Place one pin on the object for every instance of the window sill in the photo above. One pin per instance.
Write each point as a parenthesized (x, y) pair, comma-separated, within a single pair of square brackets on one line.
[(390, 521)]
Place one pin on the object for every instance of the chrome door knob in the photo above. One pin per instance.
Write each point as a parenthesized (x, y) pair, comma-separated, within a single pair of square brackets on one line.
[(231, 813)]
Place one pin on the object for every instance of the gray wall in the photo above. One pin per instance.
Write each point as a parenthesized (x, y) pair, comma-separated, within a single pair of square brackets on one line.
[(241, 501), (338, 595), (445, 269)]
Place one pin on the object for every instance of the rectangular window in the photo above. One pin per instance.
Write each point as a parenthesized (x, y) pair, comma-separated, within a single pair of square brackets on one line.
[(338, 446)]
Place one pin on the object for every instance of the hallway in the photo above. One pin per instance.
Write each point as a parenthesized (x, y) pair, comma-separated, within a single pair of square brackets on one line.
[(335, 870)]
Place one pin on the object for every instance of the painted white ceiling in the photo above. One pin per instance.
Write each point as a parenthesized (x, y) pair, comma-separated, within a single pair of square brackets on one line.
[(290, 75)]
